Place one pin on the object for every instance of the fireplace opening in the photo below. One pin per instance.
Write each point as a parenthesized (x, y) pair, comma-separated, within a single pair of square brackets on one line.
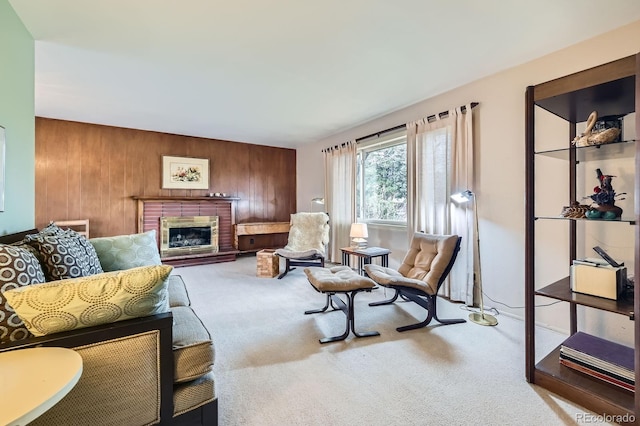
[(188, 235)]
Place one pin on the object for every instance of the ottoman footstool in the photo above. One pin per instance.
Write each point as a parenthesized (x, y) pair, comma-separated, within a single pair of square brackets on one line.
[(340, 279)]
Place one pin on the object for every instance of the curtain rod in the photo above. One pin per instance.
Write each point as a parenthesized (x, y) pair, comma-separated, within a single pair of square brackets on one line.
[(442, 114)]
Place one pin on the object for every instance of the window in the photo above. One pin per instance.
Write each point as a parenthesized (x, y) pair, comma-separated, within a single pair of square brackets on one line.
[(381, 180)]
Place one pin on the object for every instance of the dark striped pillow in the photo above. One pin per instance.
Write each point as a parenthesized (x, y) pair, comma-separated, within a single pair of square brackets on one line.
[(64, 253)]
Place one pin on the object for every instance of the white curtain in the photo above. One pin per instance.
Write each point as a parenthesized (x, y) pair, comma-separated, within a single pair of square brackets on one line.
[(339, 195), (440, 163)]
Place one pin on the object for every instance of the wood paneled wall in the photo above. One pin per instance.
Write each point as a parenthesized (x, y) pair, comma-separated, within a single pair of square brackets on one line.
[(93, 171)]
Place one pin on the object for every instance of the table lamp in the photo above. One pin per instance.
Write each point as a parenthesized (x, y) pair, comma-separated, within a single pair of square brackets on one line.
[(358, 235)]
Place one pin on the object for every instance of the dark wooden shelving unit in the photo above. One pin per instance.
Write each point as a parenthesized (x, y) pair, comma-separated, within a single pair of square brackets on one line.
[(561, 290), (609, 89), (597, 395)]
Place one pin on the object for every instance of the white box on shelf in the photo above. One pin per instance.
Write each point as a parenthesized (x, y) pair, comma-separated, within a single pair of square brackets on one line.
[(596, 278)]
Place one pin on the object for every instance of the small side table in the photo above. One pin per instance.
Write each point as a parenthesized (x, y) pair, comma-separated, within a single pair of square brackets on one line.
[(364, 256), (34, 380), (267, 263)]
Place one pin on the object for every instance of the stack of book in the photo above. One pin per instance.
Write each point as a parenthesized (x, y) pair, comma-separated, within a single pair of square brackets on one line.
[(599, 358)]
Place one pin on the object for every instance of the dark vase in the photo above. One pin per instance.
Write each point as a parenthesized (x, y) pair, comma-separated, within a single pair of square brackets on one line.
[(609, 211)]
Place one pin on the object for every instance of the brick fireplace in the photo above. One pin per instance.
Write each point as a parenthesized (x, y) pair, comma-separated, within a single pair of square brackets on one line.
[(215, 214)]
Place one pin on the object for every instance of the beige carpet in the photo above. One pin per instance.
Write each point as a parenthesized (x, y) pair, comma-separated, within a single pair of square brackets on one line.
[(271, 370)]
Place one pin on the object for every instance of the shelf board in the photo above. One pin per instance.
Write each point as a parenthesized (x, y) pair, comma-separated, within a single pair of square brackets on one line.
[(605, 151), (581, 388), (627, 220), (615, 97), (561, 290)]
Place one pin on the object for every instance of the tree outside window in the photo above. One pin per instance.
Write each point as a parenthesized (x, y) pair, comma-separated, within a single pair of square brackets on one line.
[(381, 182)]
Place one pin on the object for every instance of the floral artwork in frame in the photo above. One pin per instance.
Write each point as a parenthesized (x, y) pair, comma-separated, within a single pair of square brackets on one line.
[(185, 173)]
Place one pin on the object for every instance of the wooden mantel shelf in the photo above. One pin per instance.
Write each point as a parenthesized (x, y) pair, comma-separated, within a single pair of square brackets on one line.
[(181, 198)]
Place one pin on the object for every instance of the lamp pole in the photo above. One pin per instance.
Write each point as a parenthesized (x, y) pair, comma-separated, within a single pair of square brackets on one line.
[(480, 318)]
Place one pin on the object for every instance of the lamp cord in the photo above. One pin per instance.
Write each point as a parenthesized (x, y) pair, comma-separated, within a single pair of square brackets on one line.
[(509, 306), (482, 293)]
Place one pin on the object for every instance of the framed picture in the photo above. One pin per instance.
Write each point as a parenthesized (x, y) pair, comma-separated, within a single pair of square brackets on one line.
[(2, 168), (185, 173)]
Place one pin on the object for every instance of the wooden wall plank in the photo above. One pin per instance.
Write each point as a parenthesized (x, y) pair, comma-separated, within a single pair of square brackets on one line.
[(41, 174), (57, 168), (93, 171), (74, 178), (118, 194), (90, 187)]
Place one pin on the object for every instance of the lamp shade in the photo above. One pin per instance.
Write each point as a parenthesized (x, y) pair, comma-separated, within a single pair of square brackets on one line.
[(358, 230), (462, 197)]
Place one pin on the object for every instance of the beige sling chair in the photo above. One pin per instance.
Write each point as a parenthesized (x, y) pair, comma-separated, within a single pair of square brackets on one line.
[(423, 270), (308, 238)]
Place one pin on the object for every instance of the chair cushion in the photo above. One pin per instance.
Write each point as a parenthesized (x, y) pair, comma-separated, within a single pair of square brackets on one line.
[(336, 279), (127, 251), (178, 295), (18, 267), (428, 257), (193, 351), (87, 301), (390, 277), (307, 254), (187, 396)]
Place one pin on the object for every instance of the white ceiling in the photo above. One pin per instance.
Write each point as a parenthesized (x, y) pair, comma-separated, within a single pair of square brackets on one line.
[(283, 72)]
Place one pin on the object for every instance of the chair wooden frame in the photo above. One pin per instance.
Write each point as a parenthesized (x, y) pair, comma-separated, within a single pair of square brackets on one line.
[(316, 260), (81, 226), (427, 301)]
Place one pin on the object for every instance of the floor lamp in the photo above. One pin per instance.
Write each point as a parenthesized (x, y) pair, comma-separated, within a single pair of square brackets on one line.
[(477, 317), (317, 200)]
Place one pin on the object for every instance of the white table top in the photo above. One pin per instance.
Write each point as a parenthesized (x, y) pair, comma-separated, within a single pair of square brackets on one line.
[(33, 380)]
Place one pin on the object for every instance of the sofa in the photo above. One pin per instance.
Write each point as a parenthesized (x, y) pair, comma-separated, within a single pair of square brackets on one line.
[(147, 363)]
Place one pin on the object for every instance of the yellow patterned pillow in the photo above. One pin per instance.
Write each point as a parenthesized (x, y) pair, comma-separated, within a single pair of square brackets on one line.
[(87, 301)]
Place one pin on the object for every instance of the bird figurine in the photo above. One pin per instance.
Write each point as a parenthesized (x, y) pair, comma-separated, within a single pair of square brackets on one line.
[(595, 137)]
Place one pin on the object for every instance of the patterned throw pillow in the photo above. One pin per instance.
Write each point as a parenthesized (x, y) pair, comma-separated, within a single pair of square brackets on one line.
[(18, 268), (64, 254), (88, 301), (127, 251), (89, 253)]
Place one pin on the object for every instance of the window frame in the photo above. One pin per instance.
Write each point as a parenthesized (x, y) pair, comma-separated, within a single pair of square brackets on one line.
[(376, 143)]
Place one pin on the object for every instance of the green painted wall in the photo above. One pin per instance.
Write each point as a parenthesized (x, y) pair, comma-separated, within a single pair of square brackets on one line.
[(17, 116)]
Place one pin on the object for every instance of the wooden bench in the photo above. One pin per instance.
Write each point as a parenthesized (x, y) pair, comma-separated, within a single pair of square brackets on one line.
[(259, 228)]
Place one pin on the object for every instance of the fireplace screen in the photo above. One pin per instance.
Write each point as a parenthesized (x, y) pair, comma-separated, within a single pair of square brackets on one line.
[(188, 234)]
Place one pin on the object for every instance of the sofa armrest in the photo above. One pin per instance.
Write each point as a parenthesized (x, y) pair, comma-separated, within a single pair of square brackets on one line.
[(89, 335), (101, 342)]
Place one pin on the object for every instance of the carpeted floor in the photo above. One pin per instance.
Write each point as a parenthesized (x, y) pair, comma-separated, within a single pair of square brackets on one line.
[(271, 370)]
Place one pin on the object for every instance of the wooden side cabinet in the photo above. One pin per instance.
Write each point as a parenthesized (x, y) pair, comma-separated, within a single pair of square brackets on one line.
[(609, 89), (258, 228)]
